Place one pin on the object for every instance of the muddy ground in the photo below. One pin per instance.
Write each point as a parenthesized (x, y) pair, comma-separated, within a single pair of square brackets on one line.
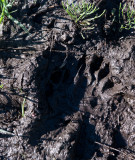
[(80, 93)]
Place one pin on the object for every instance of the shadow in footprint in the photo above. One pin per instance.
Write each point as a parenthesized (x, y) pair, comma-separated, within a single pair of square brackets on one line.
[(118, 142), (85, 146), (61, 86)]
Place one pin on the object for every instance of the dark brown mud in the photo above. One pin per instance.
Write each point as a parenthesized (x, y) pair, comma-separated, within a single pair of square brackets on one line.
[(80, 93)]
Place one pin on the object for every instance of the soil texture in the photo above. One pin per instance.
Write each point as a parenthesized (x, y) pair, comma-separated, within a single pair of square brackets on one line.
[(80, 93)]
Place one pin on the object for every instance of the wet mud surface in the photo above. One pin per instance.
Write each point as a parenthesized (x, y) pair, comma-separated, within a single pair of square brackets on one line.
[(80, 93)]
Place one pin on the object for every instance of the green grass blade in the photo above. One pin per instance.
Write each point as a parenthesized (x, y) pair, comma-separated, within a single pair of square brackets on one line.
[(6, 132), (23, 104), (18, 23)]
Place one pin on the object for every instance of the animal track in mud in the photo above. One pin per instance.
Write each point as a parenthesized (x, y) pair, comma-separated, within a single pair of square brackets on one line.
[(93, 102), (108, 84), (96, 63), (94, 66), (100, 71), (103, 72)]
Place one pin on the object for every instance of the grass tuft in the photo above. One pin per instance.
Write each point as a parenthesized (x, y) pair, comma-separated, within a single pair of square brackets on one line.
[(84, 14), (126, 17)]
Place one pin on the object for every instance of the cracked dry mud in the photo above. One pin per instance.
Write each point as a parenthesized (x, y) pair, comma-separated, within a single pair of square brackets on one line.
[(80, 94)]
